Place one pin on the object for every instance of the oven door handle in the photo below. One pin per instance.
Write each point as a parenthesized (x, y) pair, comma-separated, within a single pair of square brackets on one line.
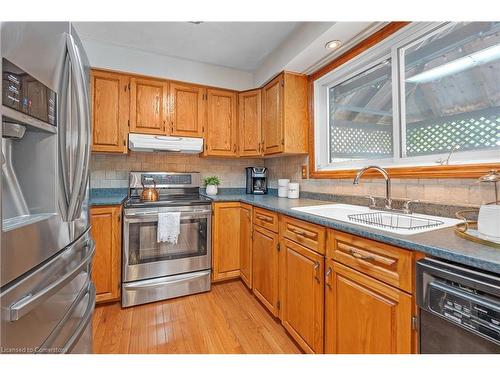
[(154, 215)]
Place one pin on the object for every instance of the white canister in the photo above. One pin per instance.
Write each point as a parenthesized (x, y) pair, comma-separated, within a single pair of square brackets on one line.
[(488, 221), (283, 187), (293, 190)]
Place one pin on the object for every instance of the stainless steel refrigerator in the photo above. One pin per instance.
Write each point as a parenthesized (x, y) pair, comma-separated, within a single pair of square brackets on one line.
[(46, 294)]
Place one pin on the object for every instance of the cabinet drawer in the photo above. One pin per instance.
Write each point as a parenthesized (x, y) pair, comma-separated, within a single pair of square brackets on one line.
[(386, 263), (309, 235), (265, 219)]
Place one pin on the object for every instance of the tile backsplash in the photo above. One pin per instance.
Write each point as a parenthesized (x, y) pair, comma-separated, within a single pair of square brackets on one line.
[(447, 191), (111, 171)]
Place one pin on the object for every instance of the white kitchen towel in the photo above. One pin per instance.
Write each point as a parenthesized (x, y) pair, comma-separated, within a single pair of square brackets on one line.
[(169, 227)]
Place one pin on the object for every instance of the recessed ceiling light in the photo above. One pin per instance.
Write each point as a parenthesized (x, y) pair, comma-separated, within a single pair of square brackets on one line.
[(333, 44)]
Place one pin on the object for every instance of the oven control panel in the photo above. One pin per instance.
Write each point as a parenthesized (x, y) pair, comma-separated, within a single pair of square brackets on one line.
[(164, 179), (466, 307), (167, 179)]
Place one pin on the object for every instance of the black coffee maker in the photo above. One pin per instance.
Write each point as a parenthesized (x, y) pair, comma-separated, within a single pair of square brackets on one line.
[(256, 180)]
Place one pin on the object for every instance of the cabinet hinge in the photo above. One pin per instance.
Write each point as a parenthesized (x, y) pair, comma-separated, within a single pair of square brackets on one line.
[(414, 323), (129, 86), (282, 83), (283, 142), (278, 247), (128, 122), (278, 305)]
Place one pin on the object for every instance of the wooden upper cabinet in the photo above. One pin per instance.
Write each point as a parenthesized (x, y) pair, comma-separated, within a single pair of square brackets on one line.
[(364, 315), (187, 110), (220, 137), (285, 114), (250, 130), (265, 260), (272, 116), (246, 244), (148, 106), (107, 234), (110, 112), (303, 298), (226, 241)]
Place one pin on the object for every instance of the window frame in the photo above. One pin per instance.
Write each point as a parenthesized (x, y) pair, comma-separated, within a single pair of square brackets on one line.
[(390, 47)]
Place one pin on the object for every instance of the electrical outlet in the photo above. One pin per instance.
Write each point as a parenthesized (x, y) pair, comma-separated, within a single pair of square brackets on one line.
[(304, 172)]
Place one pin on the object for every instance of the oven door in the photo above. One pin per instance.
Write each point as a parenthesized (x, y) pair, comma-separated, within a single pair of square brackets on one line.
[(144, 257)]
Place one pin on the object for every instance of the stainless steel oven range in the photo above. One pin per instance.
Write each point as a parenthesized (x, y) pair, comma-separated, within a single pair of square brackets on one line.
[(153, 270)]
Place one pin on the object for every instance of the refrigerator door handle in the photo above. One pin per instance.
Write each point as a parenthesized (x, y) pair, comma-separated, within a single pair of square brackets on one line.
[(81, 173), (84, 322), (26, 304), (65, 159)]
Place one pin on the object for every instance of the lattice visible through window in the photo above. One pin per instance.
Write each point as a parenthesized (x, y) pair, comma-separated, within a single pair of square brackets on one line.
[(355, 143), (473, 133)]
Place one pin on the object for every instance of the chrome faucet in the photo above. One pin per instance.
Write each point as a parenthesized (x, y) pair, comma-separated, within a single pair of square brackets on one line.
[(383, 172)]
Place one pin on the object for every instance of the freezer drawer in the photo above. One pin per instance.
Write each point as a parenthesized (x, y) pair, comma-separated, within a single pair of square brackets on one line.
[(35, 306)]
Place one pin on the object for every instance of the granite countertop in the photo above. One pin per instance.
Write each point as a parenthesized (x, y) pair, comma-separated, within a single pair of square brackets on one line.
[(441, 243), (107, 196)]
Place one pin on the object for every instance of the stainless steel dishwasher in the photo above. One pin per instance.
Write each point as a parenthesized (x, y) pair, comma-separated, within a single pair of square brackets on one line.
[(459, 308)]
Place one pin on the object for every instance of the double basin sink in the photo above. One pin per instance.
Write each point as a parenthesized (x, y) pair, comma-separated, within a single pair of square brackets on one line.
[(388, 221)]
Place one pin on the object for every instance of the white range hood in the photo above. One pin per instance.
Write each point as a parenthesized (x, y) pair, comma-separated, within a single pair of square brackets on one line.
[(150, 143)]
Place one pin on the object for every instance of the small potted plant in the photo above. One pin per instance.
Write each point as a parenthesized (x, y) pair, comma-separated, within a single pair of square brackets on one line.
[(211, 182)]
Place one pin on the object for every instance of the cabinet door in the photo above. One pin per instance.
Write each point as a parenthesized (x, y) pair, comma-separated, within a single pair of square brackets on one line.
[(303, 298), (364, 315), (106, 232), (272, 116), (246, 244), (221, 128), (187, 112), (110, 111), (250, 135), (265, 267), (148, 106), (226, 241)]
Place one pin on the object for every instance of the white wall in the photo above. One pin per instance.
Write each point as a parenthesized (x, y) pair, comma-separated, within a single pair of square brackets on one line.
[(108, 56), (293, 45)]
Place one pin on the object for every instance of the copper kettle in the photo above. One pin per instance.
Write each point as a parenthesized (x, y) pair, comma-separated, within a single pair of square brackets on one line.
[(149, 193)]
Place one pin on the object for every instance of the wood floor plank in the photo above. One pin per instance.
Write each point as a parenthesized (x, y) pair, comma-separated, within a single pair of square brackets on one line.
[(228, 319)]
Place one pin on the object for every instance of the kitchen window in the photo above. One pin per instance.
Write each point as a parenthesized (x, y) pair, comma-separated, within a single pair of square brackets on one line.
[(428, 95)]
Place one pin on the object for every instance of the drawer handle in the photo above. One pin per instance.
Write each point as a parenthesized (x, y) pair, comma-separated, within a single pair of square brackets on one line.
[(361, 256), (316, 269), (264, 218), (327, 277), (303, 233)]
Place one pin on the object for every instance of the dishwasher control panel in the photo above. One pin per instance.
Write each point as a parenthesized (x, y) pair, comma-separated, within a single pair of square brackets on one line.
[(466, 307)]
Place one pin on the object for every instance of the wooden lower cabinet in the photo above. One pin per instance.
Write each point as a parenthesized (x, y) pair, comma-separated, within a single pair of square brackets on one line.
[(303, 295), (246, 244), (265, 267), (226, 241), (107, 234), (364, 315)]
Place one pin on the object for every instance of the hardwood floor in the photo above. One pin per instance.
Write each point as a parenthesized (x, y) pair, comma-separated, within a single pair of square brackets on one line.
[(227, 319)]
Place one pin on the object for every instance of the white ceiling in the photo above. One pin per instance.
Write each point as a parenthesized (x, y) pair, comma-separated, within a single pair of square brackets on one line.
[(238, 45)]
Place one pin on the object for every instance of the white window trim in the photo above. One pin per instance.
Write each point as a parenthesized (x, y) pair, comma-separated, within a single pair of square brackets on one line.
[(392, 47)]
